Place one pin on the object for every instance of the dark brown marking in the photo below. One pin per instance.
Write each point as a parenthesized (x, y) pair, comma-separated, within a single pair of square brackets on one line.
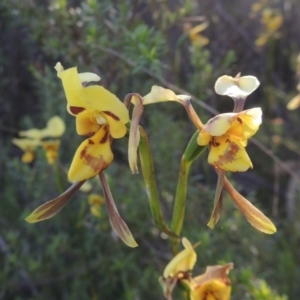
[(229, 155), (111, 115), (240, 120), (98, 164), (106, 136), (91, 142), (75, 110), (214, 143)]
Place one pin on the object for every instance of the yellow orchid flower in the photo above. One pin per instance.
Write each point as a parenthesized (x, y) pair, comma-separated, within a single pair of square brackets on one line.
[(195, 35), (34, 138), (179, 268), (214, 284), (227, 136), (95, 202), (184, 261), (28, 146), (99, 114), (51, 149)]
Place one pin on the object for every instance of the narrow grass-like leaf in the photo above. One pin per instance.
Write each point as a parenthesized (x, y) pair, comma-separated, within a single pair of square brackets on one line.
[(253, 215), (116, 222), (52, 207), (150, 182)]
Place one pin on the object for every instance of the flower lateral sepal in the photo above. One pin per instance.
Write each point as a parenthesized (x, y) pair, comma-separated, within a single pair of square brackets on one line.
[(52, 207), (116, 222)]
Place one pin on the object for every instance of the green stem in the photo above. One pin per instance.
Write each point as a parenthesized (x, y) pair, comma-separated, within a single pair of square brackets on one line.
[(180, 200)]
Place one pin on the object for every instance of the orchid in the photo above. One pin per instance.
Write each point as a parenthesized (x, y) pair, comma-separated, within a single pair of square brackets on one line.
[(32, 138), (227, 136), (99, 114), (214, 284)]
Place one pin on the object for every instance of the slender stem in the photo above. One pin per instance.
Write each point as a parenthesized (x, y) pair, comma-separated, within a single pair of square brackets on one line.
[(192, 114), (150, 183), (180, 201)]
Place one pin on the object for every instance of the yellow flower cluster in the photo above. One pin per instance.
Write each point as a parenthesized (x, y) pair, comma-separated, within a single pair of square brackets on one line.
[(214, 284), (34, 138)]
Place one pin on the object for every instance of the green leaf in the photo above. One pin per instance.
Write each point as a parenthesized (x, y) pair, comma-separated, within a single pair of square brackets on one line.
[(52, 207), (116, 222), (150, 182), (193, 150)]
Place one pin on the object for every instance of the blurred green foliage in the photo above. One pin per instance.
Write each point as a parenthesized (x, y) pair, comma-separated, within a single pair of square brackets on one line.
[(133, 45)]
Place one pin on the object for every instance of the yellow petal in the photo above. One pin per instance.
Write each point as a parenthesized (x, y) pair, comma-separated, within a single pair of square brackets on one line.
[(33, 133), (28, 157), (26, 144), (214, 284), (59, 68), (92, 157), (117, 128), (199, 28), (86, 123), (183, 261), (238, 87), (228, 155), (219, 124), (72, 87), (55, 127), (51, 148), (203, 138), (95, 211), (160, 94), (86, 187), (95, 199), (102, 100), (294, 103), (250, 120)]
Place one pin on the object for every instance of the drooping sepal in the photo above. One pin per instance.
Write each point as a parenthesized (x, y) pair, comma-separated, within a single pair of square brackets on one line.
[(116, 222), (52, 207)]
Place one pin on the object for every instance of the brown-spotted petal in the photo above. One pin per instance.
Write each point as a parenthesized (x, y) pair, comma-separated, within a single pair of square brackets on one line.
[(92, 157)]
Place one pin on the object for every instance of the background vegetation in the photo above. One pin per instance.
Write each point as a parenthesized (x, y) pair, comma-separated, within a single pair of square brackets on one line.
[(133, 45)]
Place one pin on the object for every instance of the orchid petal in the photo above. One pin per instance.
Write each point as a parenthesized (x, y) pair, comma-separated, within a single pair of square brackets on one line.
[(88, 77), (102, 100), (52, 207), (55, 127), (253, 215), (116, 222), (229, 155), (117, 129), (26, 144), (160, 94), (72, 87), (86, 123), (92, 157), (238, 87), (182, 262), (213, 284)]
